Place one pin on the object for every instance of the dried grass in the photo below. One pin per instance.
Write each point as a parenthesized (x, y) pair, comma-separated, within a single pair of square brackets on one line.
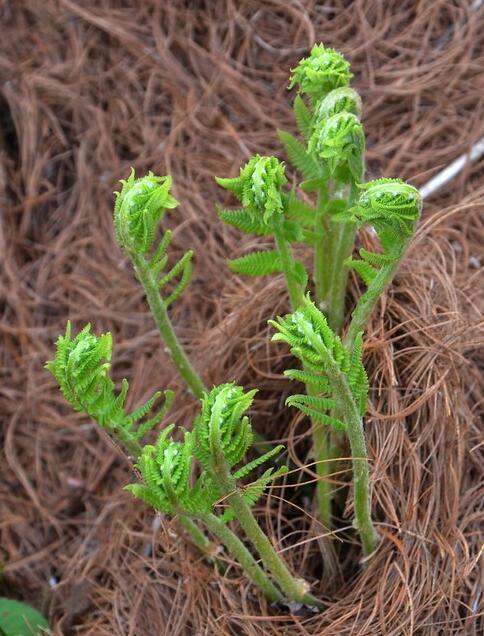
[(193, 88)]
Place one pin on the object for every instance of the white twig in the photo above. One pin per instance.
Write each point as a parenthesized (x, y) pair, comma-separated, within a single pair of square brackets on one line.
[(452, 170)]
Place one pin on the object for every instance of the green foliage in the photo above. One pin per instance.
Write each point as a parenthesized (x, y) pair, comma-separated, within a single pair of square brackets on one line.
[(304, 117), (139, 208), (19, 619), (324, 70), (245, 222), (327, 364), (259, 186), (299, 156), (340, 141), (257, 263), (81, 366)]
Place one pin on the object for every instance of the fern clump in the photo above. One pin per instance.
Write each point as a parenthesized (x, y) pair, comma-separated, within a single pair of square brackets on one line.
[(324, 70), (200, 474)]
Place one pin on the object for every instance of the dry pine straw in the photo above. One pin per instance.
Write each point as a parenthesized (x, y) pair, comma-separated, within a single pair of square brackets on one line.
[(193, 88)]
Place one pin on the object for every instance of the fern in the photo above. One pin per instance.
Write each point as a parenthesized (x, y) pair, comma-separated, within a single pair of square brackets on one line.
[(324, 70), (343, 394), (245, 222)]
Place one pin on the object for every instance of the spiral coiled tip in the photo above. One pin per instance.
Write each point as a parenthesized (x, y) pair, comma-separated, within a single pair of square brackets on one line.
[(138, 209), (322, 71)]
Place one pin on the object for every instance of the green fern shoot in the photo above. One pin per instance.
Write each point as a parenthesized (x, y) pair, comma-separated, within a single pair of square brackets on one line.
[(340, 395), (139, 209)]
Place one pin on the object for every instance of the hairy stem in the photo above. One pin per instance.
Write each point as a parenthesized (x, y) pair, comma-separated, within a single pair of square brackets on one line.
[(160, 314), (341, 241), (356, 436), (238, 550), (198, 537), (294, 589), (367, 303), (322, 265), (288, 263)]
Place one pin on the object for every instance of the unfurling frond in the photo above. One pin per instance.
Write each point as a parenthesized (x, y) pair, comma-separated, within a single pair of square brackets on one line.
[(222, 430), (393, 208), (81, 366), (166, 468), (341, 100), (321, 72), (259, 186), (329, 367), (139, 208), (340, 141)]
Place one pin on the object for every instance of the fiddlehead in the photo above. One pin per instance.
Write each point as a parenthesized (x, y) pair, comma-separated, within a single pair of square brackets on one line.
[(339, 100), (393, 208), (340, 142), (139, 208), (81, 366), (259, 186), (321, 72)]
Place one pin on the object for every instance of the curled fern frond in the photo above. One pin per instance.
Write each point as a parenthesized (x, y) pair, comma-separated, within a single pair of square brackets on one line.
[(392, 207), (139, 208), (259, 186), (388, 203), (340, 140), (81, 366), (222, 430), (340, 100), (324, 70), (328, 362), (166, 468)]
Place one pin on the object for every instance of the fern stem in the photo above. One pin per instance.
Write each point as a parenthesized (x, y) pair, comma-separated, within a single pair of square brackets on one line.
[(368, 301), (294, 589), (238, 550), (160, 314), (198, 537), (356, 436), (322, 263), (296, 294), (341, 240)]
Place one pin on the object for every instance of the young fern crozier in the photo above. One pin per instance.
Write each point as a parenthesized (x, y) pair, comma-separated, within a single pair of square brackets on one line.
[(139, 208)]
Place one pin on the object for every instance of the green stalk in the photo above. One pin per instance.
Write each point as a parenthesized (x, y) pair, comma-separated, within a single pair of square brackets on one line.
[(341, 240), (367, 303), (322, 264), (160, 314), (296, 294), (294, 589), (356, 435), (198, 537), (243, 556), (320, 436)]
